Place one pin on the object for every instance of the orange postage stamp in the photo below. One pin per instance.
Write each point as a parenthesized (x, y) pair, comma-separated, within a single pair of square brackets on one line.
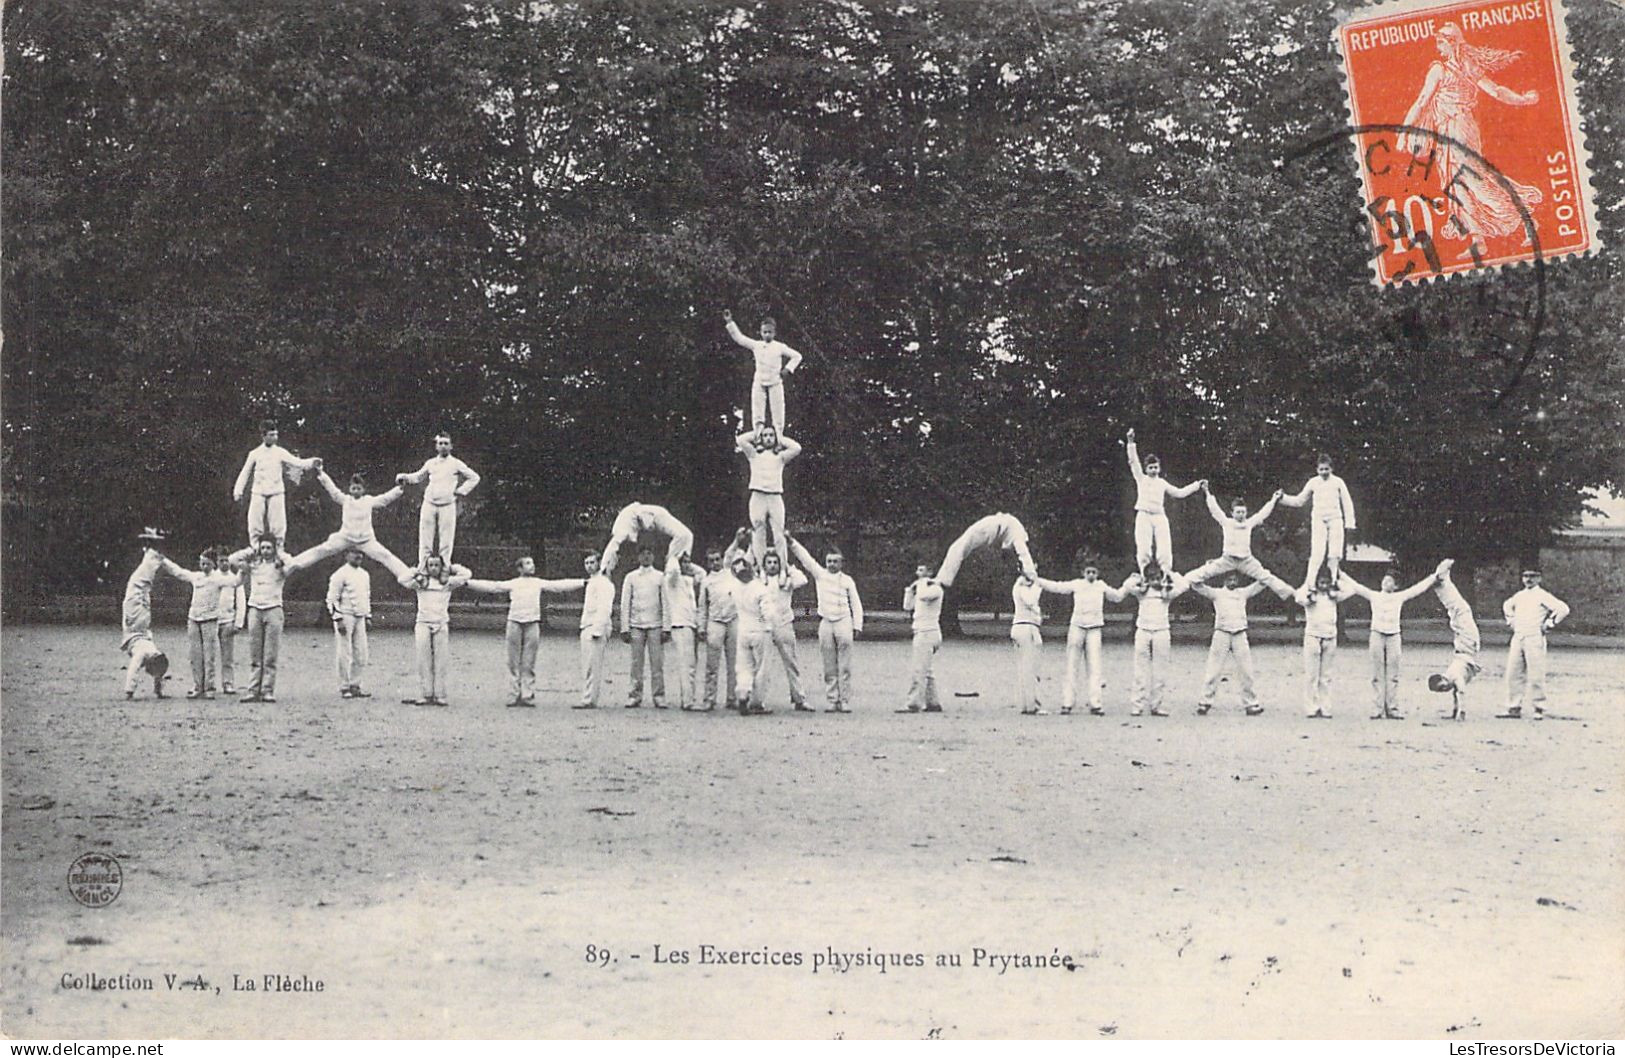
[(1467, 135)]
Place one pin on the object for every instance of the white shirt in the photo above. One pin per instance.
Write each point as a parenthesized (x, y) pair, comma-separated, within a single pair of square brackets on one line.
[(680, 597), (837, 592), (923, 599), (598, 606), (718, 601), (1151, 491), (1153, 615), (755, 607), (643, 600), (434, 595), (232, 607), (1028, 599), (1229, 605), (1385, 605), (1089, 599), (525, 594), (1319, 612), (766, 465), (1527, 611), (265, 465), (780, 605), (770, 356), (349, 591), (443, 473), (1238, 536), (265, 577), (205, 593), (356, 522), (1331, 499)]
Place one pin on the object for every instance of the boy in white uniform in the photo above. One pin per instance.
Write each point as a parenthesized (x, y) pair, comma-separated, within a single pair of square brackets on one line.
[(1155, 590), (779, 606), (1001, 529), (1152, 536), (355, 525), (449, 479), (1319, 641), (1385, 644), (768, 451), (1463, 665), (523, 634), (755, 634), (682, 598), (1530, 613), (1026, 624), (923, 601), (773, 358), (265, 570), (719, 626), (233, 611), (1089, 597), (265, 467), (1229, 638), (840, 620), (203, 623), (646, 625), (137, 639), (1331, 515), (597, 626), (349, 604), (434, 582), (1237, 556), (637, 518)]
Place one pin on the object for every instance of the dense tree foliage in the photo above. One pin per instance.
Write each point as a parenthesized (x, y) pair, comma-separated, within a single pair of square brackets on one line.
[(1002, 234)]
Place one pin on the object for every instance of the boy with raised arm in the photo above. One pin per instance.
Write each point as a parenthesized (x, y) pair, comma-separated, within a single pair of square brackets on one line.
[(1530, 613), (434, 582), (773, 358), (1154, 589), (1001, 529), (137, 639), (779, 606), (355, 525), (840, 620), (449, 479), (1463, 665), (1229, 639), (1385, 645), (597, 625), (755, 633), (637, 518), (1152, 536), (1319, 641), (922, 600), (523, 634), (265, 569), (265, 468), (1331, 514), (768, 452), (1089, 597), (349, 604), (646, 625), (203, 623), (1237, 556)]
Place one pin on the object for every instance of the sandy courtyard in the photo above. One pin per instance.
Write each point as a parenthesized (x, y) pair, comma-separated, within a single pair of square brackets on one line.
[(444, 872)]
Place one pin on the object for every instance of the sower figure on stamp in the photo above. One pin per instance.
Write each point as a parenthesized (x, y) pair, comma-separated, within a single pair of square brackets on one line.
[(1331, 515), (1153, 539), (774, 359), (137, 639), (1463, 665), (265, 468), (1530, 613), (523, 633), (840, 620), (349, 604), (922, 600), (1083, 650), (448, 480)]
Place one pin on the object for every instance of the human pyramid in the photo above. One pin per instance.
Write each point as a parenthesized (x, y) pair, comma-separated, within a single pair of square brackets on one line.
[(741, 606)]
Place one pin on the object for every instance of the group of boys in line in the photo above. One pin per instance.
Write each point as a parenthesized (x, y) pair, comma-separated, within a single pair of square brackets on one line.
[(740, 608)]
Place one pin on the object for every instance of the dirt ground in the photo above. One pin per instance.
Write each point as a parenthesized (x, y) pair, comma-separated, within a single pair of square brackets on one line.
[(444, 872)]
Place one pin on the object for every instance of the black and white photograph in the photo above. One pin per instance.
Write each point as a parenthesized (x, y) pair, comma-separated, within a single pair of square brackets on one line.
[(841, 519)]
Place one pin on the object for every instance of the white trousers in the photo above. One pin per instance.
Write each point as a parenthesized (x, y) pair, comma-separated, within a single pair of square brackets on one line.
[(593, 644), (922, 687), (683, 646), (350, 650), (835, 646), (339, 543), (1325, 545), (1029, 643), (761, 396), (1318, 652), (267, 515), (1526, 670), (1150, 653), (522, 639), (1384, 648), (1225, 645), (721, 652), (1153, 539), (437, 530), (1083, 652), (434, 658), (767, 524)]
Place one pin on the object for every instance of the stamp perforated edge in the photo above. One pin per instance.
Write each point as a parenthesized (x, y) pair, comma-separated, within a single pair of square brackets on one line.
[(1582, 153)]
